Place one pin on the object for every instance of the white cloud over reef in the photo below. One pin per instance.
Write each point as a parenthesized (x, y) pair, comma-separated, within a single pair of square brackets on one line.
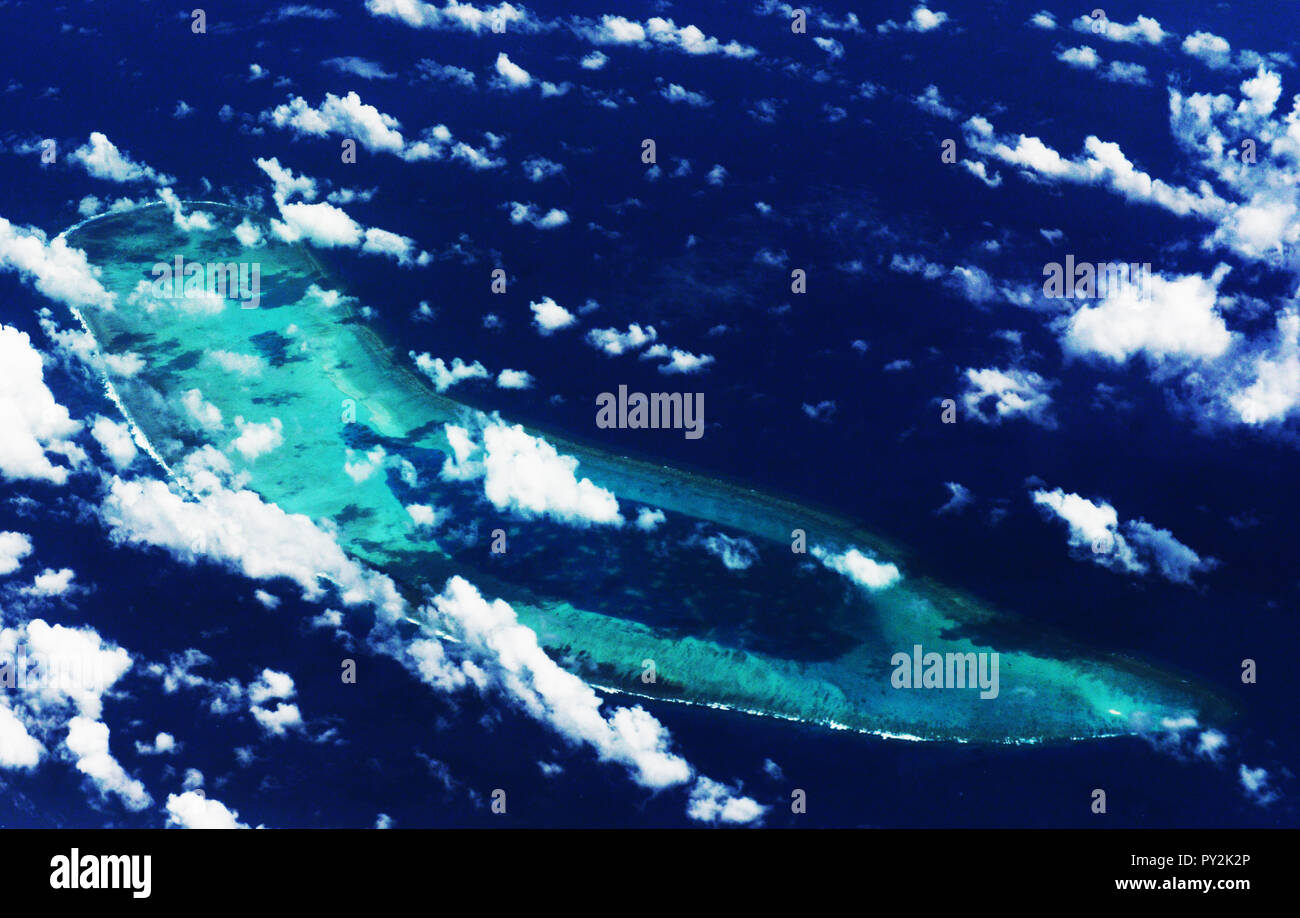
[(202, 412), (859, 567), (198, 220), (239, 529), (257, 439), (526, 474), (116, 440), (736, 554), (55, 268), (78, 345), (446, 375), (1132, 547)]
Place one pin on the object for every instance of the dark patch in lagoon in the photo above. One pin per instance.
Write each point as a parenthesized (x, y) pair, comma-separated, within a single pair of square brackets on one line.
[(274, 347), (352, 514), (187, 361)]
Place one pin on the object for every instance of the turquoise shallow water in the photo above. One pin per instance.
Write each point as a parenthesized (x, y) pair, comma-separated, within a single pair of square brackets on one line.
[(786, 637)]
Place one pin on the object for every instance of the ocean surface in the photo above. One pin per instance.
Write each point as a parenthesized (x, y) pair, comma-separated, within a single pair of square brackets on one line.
[(684, 256)]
